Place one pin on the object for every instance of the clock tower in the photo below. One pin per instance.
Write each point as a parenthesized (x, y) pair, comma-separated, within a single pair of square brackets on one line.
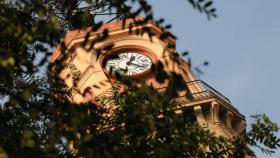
[(91, 66)]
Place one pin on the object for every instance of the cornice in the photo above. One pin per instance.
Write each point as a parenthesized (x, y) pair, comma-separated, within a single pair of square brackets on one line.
[(76, 37)]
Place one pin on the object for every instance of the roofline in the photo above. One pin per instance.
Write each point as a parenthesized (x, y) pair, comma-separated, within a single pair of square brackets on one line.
[(112, 25)]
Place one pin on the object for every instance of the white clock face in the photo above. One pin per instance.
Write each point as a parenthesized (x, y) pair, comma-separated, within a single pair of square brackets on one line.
[(128, 63)]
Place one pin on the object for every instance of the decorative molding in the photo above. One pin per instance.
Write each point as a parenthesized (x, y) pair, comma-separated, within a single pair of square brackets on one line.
[(229, 117), (76, 37), (214, 110), (83, 78), (199, 116)]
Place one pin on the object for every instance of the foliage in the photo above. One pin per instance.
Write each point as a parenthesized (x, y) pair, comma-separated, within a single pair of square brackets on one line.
[(262, 134), (37, 119)]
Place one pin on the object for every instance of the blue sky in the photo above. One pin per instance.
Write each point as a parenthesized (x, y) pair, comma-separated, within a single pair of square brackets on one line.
[(242, 46)]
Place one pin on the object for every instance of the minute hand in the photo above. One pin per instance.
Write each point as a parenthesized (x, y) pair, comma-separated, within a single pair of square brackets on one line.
[(137, 65)]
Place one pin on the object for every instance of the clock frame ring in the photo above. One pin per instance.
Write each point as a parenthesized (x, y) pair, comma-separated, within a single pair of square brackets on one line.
[(120, 49)]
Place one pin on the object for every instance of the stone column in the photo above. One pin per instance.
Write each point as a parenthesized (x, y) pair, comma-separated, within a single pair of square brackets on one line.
[(229, 117), (199, 116), (215, 113)]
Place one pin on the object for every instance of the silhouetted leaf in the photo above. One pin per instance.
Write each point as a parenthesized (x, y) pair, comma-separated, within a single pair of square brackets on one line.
[(189, 62), (43, 61), (185, 53), (86, 39), (81, 20), (161, 20), (214, 15), (208, 4), (96, 26), (192, 2), (165, 35), (168, 26), (206, 63), (108, 47), (212, 10), (199, 8), (198, 71), (170, 46)]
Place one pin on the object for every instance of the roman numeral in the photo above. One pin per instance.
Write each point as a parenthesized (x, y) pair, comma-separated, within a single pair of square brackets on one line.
[(140, 56), (123, 55), (144, 60), (145, 65)]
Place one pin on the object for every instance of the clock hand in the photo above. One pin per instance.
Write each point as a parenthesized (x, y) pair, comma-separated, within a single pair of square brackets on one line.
[(130, 60), (137, 65)]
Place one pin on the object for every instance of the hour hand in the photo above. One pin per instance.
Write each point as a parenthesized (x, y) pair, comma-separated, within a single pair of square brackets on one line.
[(130, 60)]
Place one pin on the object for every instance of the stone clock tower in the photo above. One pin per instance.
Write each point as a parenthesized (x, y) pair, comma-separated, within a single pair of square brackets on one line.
[(90, 72)]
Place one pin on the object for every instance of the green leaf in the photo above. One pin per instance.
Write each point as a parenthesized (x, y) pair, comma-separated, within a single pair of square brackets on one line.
[(27, 140), (26, 94), (7, 62)]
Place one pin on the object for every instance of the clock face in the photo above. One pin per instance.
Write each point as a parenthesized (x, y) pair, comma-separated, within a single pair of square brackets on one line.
[(129, 62)]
